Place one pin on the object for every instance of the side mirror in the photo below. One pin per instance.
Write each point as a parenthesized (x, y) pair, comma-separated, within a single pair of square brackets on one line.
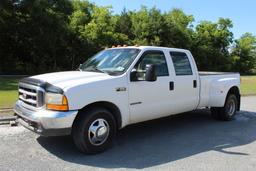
[(150, 73), (133, 75)]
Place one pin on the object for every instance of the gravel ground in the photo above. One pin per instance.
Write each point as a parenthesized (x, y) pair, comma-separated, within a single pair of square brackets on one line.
[(190, 141)]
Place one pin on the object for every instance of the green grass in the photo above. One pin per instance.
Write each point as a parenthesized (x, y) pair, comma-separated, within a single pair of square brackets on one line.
[(248, 85), (9, 86), (8, 91)]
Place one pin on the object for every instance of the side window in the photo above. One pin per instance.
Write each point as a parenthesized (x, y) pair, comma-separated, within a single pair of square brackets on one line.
[(152, 57), (181, 63)]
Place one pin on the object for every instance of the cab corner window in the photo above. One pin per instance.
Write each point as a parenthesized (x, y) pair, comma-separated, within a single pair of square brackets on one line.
[(181, 63), (156, 58)]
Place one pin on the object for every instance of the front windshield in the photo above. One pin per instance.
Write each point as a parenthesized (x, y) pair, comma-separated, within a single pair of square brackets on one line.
[(111, 61)]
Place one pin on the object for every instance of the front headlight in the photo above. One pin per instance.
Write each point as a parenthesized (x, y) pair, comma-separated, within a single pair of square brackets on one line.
[(56, 102)]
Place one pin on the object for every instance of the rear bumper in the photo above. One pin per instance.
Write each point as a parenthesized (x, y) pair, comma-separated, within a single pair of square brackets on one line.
[(45, 122)]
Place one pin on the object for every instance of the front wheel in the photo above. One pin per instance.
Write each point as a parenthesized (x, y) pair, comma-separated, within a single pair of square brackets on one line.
[(94, 130), (227, 112)]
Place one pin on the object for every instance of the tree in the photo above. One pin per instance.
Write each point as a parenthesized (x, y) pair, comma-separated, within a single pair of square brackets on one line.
[(81, 15), (34, 36), (178, 30), (38, 36), (244, 54), (123, 24), (147, 26), (211, 43), (100, 31), (7, 32)]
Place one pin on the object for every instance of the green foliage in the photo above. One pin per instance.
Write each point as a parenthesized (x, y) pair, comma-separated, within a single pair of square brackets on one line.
[(38, 36), (147, 26), (100, 31), (34, 37), (244, 54), (123, 25), (211, 44), (178, 29)]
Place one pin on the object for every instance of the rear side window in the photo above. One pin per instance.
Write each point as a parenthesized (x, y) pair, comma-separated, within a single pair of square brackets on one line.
[(181, 63)]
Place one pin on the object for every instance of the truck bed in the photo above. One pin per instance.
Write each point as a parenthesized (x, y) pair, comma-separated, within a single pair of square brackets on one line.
[(214, 86)]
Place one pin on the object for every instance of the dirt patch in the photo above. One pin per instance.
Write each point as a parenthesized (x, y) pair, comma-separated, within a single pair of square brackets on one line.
[(7, 112)]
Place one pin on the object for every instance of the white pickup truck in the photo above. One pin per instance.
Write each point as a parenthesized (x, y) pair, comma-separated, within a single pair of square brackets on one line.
[(120, 86)]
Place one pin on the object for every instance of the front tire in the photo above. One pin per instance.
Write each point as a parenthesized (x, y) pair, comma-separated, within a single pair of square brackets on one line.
[(227, 112), (94, 130)]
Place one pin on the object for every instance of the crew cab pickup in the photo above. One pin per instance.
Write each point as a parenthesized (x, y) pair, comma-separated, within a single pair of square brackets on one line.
[(121, 86)]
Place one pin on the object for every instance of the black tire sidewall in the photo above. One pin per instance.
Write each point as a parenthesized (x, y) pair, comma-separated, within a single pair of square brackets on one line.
[(225, 114)]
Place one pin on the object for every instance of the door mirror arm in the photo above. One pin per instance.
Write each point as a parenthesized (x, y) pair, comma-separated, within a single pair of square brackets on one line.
[(133, 75)]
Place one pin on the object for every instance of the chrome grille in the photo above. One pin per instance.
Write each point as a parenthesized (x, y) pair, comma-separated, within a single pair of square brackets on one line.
[(31, 96)]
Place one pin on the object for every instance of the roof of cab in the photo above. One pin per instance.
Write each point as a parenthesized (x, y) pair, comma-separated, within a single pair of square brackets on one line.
[(150, 47)]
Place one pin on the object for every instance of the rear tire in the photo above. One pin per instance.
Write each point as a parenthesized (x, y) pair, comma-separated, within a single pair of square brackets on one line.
[(227, 112), (94, 130)]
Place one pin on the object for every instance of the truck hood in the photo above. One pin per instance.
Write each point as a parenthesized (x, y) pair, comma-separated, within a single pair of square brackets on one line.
[(71, 78)]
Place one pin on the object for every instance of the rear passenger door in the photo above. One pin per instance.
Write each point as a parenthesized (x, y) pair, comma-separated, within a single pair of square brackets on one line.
[(185, 82)]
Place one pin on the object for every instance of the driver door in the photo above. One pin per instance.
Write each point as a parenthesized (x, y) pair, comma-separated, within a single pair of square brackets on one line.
[(150, 100)]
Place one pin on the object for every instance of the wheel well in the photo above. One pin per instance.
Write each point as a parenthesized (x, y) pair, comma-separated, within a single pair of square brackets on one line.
[(235, 90), (107, 105)]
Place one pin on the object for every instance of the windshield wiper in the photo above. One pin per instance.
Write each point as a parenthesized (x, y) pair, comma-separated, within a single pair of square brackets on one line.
[(95, 69), (99, 70)]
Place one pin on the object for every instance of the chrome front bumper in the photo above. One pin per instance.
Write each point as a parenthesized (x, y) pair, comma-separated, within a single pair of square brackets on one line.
[(45, 122)]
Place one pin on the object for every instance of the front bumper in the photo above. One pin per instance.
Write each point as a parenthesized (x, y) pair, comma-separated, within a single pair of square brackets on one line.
[(45, 122)]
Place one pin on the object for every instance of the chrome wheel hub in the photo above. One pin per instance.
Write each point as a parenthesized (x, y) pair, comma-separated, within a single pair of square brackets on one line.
[(98, 132), (231, 108)]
